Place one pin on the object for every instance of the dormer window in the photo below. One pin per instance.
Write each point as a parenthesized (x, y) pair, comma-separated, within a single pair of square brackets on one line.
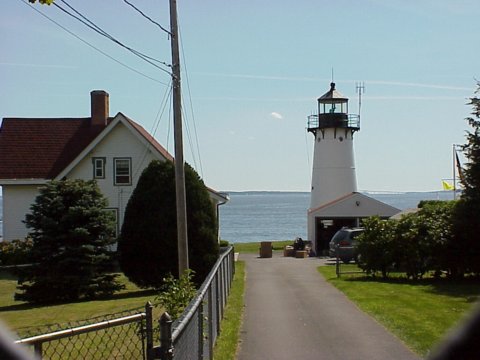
[(122, 171), (98, 167)]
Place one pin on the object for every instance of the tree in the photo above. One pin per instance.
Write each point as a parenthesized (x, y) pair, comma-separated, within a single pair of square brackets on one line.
[(72, 236), (44, 2), (148, 240), (467, 212)]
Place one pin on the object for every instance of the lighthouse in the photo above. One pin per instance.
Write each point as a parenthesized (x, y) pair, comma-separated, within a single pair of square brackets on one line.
[(333, 127), (335, 201)]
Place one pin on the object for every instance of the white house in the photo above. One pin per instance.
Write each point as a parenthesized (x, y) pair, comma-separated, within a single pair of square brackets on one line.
[(112, 150)]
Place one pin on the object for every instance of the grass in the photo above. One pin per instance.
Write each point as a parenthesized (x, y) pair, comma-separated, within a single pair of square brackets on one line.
[(24, 318), (252, 247), (417, 312), (227, 342)]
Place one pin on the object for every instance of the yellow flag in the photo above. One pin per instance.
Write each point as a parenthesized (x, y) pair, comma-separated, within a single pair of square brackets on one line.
[(446, 185)]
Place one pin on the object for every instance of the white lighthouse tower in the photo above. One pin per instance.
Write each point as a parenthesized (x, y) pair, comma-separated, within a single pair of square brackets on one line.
[(333, 159)]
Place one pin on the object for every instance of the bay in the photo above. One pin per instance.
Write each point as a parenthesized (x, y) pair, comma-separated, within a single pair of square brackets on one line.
[(270, 216)]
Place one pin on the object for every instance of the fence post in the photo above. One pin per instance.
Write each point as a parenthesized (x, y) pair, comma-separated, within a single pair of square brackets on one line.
[(149, 328), (210, 320), (166, 349), (217, 301), (37, 348), (337, 261), (200, 331)]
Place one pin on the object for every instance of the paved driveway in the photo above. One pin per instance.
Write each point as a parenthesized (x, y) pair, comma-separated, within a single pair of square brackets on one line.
[(291, 312)]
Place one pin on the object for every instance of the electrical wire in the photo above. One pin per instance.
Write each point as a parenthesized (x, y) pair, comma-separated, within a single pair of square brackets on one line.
[(184, 62), (147, 17), (94, 47), (156, 124), (84, 20), (189, 137)]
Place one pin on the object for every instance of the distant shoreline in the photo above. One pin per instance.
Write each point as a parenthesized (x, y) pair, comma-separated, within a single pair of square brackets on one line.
[(371, 192)]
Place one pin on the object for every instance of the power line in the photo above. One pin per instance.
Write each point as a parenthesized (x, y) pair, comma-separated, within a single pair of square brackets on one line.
[(191, 106), (147, 17), (84, 20), (94, 47), (158, 118), (189, 137)]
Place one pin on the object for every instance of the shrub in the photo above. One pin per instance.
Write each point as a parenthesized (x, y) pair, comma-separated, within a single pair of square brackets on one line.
[(436, 219), (224, 243), (176, 294), (15, 252), (376, 246), (412, 247), (416, 244)]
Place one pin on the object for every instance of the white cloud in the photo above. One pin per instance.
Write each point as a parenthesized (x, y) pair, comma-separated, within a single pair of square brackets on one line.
[(276, 115)]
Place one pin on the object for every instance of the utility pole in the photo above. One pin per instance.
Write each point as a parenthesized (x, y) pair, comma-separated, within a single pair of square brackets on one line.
[(178, 137)]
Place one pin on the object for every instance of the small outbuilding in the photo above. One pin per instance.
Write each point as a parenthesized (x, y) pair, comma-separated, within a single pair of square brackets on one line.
[(348, 210)]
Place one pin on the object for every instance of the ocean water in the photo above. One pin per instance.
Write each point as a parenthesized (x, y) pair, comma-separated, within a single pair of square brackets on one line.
[(266, 216), (270, 216)]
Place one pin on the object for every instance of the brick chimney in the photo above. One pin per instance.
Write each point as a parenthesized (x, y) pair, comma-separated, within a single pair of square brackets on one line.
[(99, 108)]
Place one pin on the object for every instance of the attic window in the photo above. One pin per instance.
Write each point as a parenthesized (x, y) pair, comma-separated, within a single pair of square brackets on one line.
[(122, 171), (98, 168)]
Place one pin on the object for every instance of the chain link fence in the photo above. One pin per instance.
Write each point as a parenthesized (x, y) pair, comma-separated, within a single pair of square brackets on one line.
[(112, 338), (130, 334), (193, 335)]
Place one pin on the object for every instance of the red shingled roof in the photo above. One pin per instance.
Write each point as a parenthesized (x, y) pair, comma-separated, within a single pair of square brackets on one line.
[(150, 139), (41, 148)]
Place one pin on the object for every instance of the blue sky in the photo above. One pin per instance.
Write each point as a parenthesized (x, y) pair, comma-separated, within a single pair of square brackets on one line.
[(254, 70)]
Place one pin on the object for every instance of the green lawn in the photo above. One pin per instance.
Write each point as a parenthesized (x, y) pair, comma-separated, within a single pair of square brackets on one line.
[(419, 312), (253, 247), (24, 318), (227, 341)]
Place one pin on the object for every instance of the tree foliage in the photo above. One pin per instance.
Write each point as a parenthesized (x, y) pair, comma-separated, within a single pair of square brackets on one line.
[(467, 214), (148, 240), (416, 244), (443, 236), (44, 2), (72, 235), (15, 252), (376, 246)]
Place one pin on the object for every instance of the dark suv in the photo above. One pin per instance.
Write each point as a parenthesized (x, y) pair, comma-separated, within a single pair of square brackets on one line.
[(345, 240)]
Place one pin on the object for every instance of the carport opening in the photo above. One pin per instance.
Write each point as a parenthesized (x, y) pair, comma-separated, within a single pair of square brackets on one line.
[(325, 228)]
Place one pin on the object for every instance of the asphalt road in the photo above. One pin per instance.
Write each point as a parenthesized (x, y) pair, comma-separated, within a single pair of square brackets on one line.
[(291, 312)]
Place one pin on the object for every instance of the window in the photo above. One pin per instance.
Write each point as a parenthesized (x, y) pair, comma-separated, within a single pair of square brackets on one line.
[(122, 171), (98, 168)]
